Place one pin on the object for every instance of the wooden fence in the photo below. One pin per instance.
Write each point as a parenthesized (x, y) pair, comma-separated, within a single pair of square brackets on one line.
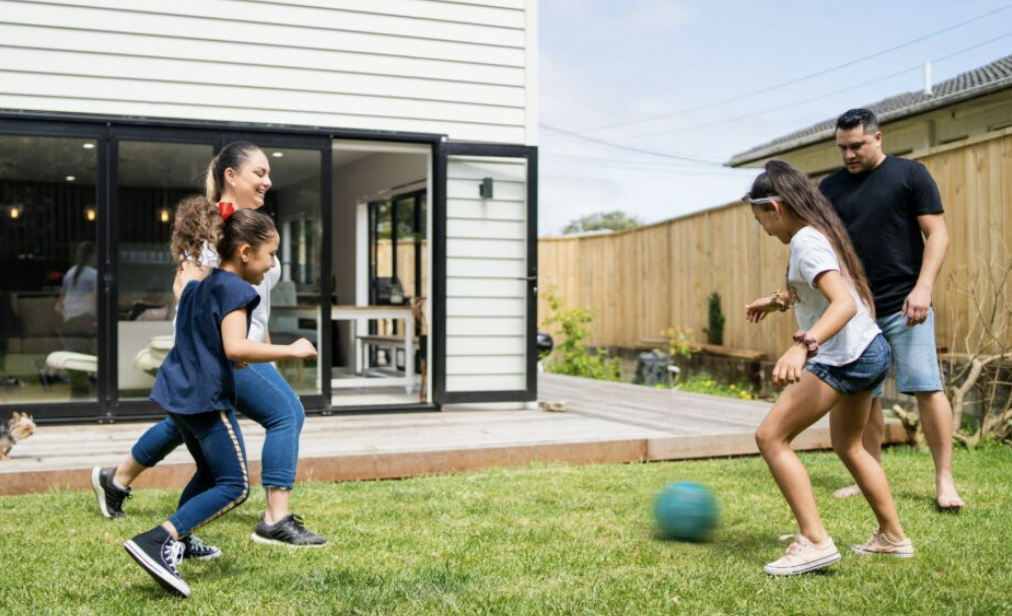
[(642, 281)]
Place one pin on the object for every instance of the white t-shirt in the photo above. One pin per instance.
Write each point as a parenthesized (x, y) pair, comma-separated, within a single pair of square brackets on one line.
[(262, 313), (811, 255), (80, 298)]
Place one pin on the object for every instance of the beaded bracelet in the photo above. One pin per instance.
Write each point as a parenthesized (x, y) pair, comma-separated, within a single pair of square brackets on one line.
[(778, 302), (808, 340)]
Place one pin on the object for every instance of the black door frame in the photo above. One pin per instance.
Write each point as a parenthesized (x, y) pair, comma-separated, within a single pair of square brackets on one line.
[(438, 242), (108, 130)]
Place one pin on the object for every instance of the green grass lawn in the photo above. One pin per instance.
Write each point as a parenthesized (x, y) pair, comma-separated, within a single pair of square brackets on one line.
[(543, 539)]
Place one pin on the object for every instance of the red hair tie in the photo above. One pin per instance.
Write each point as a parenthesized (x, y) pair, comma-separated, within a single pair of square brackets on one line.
[(226, 209)]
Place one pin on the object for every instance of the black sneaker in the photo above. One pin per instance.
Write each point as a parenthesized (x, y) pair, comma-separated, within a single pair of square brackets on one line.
[(158, 553), (289, 531), (194, 549), (110, 498)]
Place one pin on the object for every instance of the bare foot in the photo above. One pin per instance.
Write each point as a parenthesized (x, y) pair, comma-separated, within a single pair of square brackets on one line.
[(847, 492), (948, 499)]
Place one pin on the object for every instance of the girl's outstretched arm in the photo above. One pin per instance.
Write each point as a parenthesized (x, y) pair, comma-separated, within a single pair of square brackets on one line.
[(238, 348)]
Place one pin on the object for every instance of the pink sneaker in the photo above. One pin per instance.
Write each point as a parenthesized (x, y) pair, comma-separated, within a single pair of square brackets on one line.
[(803, 556), (880, 544)]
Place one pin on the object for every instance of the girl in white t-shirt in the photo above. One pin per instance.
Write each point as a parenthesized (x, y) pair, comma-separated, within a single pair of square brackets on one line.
[(836, 360)]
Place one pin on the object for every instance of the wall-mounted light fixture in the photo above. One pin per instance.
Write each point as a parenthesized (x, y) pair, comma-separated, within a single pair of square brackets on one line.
[(88, 146), (71, 178), (15, 212), (486, 189), (90, 214), (277, 154), (163, 214)]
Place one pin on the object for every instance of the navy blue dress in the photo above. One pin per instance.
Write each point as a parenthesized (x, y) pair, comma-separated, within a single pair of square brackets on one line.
[(196, 376)]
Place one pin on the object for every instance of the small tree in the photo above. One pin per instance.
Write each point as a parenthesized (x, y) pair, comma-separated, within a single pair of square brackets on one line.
[(571, 355), (616, 220), (977, 379), (715, 332)]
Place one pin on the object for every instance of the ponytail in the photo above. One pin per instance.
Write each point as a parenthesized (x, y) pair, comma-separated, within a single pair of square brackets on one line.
[(232, 156)]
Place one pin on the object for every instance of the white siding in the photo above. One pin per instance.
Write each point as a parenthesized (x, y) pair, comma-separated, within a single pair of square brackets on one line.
[(486, 290), (458, 68)]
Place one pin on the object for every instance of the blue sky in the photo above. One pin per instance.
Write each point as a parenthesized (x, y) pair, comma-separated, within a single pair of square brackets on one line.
[(604, 62)]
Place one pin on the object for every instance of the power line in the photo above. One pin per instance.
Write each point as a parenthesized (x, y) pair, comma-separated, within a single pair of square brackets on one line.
[(808, 100), (799, 79), (617, 146), (642, 165)]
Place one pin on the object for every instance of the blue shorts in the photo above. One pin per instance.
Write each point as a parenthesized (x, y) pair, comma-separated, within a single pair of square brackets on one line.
[(914, 353), (863, 374)]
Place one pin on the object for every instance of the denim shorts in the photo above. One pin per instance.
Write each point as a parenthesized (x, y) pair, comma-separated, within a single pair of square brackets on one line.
[(863, 374), (914, 352)]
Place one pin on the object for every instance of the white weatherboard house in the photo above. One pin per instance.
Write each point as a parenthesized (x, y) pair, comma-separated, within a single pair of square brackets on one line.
[(401, 136)]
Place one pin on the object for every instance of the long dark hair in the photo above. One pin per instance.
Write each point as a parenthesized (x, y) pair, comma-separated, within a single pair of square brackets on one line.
[(82, 255), (801, 197), (232, 156), (244, 227)]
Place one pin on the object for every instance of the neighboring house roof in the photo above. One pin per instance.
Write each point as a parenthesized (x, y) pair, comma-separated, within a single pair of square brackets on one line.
[(994, 76)]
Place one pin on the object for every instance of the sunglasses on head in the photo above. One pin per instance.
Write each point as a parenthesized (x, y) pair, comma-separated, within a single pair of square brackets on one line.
[(760, 201)]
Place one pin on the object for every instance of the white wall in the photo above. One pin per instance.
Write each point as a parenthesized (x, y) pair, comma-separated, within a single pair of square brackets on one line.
[(465, 68)]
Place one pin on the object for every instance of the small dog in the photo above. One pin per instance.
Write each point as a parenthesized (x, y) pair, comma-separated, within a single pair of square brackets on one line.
[(19, 427)]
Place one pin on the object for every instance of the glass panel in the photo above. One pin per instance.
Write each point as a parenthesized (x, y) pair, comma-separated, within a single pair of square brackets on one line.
[(48, 272), (152, 178), (294, 202)]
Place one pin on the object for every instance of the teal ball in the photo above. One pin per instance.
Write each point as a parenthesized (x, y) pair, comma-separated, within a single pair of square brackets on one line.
[(686, 511)]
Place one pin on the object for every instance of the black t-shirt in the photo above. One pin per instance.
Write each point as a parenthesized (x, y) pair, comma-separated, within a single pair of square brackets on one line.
[(880, 209)]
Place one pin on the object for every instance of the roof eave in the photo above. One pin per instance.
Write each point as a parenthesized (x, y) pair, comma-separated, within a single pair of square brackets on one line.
[(744, 158)]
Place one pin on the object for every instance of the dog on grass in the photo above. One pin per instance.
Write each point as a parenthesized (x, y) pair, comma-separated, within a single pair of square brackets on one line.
[(19, 427)]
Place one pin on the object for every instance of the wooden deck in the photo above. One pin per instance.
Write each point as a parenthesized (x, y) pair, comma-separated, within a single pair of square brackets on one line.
[(603, 422)]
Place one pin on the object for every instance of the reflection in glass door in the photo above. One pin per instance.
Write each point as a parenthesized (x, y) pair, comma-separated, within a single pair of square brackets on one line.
[(295, 203), (152, 177), (49, 283)]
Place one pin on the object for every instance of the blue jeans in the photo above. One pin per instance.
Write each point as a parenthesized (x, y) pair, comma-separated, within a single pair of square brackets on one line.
[(863, 374), (221, 482), (265, 397), (914, 353)]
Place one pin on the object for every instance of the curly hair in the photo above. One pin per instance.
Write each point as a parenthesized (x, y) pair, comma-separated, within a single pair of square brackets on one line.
[(197, 221)]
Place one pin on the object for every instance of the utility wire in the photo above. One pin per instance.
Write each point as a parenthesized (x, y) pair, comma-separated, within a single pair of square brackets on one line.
[(573, 135), (808, 100), (800, 79)]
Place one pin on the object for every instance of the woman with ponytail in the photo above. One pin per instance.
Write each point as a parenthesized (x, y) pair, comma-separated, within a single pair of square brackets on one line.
[(238, 178), (835, 362)]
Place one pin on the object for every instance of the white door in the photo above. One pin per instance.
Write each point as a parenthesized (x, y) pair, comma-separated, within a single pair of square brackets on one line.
[(485, 273)]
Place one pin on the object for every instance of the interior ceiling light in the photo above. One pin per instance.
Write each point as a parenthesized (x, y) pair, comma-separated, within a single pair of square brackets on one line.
[(277, 154), (71, 178), (89, 146)]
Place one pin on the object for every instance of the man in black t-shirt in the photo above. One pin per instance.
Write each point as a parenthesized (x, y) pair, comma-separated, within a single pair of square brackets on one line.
[(893, 212)]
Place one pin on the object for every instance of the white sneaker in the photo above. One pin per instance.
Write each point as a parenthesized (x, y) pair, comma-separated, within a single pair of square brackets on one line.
[(880, 544), (803, 556)]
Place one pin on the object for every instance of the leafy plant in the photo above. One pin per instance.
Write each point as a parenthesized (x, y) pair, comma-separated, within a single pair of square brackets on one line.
[(571, 355), (680, 341), (715, 332)]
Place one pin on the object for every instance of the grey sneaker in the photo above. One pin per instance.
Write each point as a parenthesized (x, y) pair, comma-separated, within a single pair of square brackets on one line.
[(194, 549), (288, 531), (110, 498)]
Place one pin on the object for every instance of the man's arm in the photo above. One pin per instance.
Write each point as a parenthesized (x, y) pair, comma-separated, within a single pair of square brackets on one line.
[(936, 242)]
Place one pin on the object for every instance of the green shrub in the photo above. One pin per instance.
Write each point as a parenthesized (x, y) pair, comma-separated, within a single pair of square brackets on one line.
[(715, 332), (571, 355)]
